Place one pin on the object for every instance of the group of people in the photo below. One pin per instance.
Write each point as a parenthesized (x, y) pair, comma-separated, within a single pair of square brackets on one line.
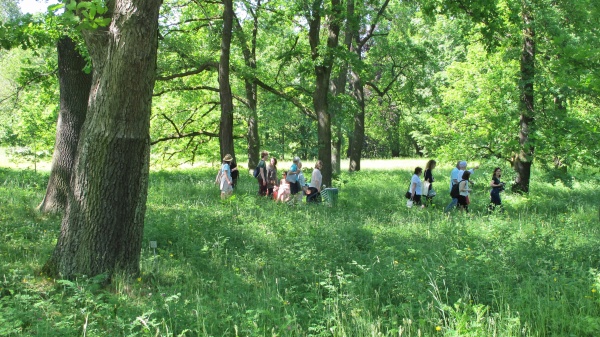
[(291, 186), (459, 182)]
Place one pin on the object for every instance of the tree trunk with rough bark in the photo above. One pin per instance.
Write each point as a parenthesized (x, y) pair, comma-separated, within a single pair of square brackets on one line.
[(226, 125), (74, 86), (359, 121), (102, 228), (524, 158), (322, 77), (249, 52)]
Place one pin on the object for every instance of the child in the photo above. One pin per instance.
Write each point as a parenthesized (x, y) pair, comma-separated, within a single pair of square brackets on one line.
[(283, 191)]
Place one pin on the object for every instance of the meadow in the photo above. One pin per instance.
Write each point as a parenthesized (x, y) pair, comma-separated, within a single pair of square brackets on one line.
[(369, 266)]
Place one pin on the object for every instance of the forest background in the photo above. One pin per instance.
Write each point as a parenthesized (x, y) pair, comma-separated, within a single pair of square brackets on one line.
[(505, 83)]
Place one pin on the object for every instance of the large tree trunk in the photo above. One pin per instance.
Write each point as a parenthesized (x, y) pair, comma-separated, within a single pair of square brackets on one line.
[(340, 88), (102, 228), (226, 126), (249, 53), (524, 159), (74, 86), (322, 77)]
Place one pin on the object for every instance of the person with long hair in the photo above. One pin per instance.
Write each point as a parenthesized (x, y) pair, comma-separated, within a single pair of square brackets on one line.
[(497, 187), (428, 179), (226, 182), (316, 179), (271, 176), (464, 190)]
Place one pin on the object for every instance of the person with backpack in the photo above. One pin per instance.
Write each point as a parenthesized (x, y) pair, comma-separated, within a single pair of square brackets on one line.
[(262, 173), (455, 176)]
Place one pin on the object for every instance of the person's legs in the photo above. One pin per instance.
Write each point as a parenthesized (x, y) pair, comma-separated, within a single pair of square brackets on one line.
[(450, 206), (312, 196)]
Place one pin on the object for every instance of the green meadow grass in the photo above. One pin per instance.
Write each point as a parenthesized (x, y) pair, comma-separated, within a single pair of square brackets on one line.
[(367, 267)]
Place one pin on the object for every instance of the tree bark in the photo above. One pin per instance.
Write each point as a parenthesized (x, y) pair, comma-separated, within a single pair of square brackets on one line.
[(524, 158), (102, 228), (322, 70), (251, 87), (74, 86), (359, 121), (226, 125), (340, 88)]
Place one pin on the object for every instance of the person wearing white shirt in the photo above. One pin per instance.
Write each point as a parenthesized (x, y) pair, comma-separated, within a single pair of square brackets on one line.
[(455, 177), (314, 188), (416, 187)]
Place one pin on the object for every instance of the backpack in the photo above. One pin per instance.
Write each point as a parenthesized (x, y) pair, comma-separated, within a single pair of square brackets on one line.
[(455, 192), (256, 172)]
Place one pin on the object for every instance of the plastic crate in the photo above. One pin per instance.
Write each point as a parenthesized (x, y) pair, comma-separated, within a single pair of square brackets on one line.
[(329, 196)]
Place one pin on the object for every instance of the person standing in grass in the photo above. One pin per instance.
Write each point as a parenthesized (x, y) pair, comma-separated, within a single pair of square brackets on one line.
[(455, 176), (292, 176), (226, 183), (271, 176), (262, 173), (497, 187), (464, 190), (235, 174), (428, 178), (416, 187)]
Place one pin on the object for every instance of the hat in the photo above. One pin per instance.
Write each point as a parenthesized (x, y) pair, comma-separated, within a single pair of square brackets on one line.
[(227, 157), (463, 164)]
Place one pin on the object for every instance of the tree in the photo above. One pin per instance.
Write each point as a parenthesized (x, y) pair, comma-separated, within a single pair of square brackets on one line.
[(74, 86), (323, 57), (101, 230), (226, 126)]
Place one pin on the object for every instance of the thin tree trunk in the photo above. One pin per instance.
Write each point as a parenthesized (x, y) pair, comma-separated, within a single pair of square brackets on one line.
[(101, 231), (74, 86), (359, 122), (226, 126), (524, 159)]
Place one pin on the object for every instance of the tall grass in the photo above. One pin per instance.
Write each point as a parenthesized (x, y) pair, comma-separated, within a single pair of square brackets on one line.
[(367, 267)]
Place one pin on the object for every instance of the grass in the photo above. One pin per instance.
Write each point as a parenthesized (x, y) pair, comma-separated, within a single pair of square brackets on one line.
[(367, 267)]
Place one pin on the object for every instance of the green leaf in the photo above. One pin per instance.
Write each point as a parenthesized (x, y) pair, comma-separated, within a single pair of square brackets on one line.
[(55, 7), (72, 5)]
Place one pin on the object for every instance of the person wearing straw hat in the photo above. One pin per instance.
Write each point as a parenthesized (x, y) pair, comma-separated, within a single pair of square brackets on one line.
[(226, 183)]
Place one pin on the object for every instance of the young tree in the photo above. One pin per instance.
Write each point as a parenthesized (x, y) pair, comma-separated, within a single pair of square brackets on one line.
[(101, 230)]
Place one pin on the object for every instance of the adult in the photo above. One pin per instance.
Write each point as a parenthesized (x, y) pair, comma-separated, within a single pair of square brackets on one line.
[(455, 176), (416, 187), (225, 183), (262, 173), (292, 176), (314, 188), (235, 174), (302, 186), (271, 176), (464, 190), (497, 187), (428, 180)]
